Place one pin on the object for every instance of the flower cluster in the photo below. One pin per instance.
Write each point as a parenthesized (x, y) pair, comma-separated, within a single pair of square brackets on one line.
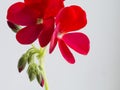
[(48, 21)]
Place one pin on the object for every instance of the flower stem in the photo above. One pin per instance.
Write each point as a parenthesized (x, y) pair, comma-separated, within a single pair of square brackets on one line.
[(41, 62)]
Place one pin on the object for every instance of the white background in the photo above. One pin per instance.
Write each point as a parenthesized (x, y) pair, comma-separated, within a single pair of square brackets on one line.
[(99, 70)]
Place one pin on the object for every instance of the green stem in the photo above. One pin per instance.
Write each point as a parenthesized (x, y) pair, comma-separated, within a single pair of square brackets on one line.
[(41, 62)]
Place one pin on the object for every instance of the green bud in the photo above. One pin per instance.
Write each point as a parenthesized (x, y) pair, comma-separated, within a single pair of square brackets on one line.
[(22, 63), (31, 76), (32, 71), (40, 79)]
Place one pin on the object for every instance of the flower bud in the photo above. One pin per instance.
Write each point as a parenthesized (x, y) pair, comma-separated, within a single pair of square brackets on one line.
[(32, 70), (22, 62), (40, 79), (31, 76), (15, 28)]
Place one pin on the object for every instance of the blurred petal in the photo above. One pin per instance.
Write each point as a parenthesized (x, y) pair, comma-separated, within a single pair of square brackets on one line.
[(54, 39), (19, 14), (66, 52), (71, 18), (47, 31), (77, 41), (29, 34), (53, 7)]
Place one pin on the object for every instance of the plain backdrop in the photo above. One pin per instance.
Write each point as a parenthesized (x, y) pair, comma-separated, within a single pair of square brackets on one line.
[(99, 70)]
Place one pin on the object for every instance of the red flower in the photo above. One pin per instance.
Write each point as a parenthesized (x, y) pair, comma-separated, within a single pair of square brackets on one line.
[(70, 19), (38, 18)]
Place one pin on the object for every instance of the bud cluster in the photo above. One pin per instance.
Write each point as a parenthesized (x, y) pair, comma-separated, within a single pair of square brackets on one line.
[(35, 70)]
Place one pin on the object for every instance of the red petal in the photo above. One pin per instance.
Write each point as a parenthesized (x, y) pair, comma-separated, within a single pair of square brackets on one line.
[(54, 39), (66, 52), (77, 41), (28, 34), (19, 14), (38, 6), (53, 7), (32, 2), (71, 18), (47, 31)]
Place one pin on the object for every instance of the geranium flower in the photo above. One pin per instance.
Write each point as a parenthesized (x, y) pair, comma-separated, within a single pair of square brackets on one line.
[(70, 19), (37, 17)]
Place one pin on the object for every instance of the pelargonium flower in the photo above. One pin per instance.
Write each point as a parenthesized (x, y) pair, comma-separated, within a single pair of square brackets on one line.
[(37, 17), (70, 19)]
